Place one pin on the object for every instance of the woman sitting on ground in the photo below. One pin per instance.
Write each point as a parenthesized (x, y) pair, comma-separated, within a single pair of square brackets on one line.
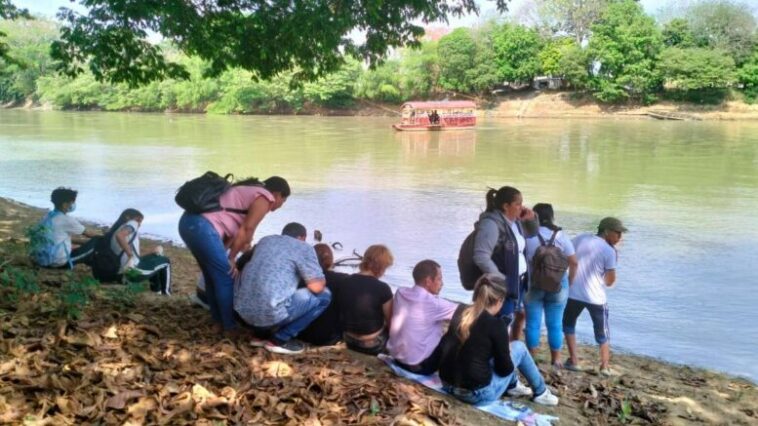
[(478, 365), (325, 330), (124, 242), (365, 303)]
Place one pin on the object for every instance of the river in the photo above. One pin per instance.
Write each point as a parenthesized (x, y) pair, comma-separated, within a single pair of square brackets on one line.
[(687, 287)]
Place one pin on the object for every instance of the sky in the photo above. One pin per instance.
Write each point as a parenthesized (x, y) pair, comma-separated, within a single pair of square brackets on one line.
[(48, 8)]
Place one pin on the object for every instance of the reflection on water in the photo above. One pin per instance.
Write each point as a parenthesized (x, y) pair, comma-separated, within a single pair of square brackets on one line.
[(451, 143), (688, 192)]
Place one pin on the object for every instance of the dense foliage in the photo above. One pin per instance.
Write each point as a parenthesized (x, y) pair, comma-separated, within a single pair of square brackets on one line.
[(612, 51), (264, 37)]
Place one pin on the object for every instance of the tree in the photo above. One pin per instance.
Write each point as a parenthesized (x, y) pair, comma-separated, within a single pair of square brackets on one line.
[(747, 76), (572, 17), (562, 57), (484, 74), (459, 50), (723, 24), (9, 11), (697, 68), (262, 36), (517, 52), (624, 46), (677, 32), (29, 41)]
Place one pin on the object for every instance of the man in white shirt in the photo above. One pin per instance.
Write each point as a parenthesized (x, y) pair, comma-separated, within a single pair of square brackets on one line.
[(597, 259), (63, 227)]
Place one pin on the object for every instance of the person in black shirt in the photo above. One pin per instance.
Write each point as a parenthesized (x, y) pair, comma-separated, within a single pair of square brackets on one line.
[(477, 362), (365, 303), (325, 330)]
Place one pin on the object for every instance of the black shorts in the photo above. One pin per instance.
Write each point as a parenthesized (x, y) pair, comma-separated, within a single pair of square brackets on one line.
[(598, 314)]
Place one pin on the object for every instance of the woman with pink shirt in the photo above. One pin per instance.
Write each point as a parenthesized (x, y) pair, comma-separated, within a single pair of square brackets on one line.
[(215, 238)]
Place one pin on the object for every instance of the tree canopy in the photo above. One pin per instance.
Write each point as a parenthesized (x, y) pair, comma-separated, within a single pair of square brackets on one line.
[(265, 37), (625, 44)]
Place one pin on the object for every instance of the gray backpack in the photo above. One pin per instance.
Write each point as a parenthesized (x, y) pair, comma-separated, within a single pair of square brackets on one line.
[(549, 265)]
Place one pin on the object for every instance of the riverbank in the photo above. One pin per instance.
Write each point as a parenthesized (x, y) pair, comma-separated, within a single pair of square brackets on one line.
[(158, 361), (526, 105)]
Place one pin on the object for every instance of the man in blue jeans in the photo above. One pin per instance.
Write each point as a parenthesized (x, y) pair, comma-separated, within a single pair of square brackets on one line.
[(267, 295)]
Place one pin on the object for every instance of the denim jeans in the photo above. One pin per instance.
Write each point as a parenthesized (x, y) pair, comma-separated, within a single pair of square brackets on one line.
[(303, 308), (500, 384), (206, 246), (553, 305)]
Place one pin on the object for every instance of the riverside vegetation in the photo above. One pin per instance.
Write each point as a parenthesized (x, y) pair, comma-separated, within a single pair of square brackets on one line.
[(75, 352), (609, 51)]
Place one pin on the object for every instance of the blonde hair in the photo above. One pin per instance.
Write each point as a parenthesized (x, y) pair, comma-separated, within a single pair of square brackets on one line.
[(489, 290), (376, 260)]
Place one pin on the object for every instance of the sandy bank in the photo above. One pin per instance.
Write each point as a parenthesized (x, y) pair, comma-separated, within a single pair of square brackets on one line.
[(159, 362), (564, 105)]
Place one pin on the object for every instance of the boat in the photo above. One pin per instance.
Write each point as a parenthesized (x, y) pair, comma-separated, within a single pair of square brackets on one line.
[(436, 116)]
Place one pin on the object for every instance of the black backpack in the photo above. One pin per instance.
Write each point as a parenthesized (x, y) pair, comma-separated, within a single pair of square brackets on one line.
[(201, 195), (467, 268), (105, 263), (549, 265)]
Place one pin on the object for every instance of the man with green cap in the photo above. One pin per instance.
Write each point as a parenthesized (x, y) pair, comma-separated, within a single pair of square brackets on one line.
[(597, 257)]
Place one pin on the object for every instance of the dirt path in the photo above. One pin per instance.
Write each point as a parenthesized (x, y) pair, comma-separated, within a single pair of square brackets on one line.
[(158, 362)]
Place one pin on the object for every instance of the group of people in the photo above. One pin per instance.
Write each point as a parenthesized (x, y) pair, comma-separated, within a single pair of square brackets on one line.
[(61, 241), (283, 291)]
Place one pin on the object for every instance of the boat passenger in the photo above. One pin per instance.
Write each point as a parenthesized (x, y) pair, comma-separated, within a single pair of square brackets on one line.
[(478, 365), (418, 319), (267, 295), (365, 303), (499, 248), (597, 256), (124, 242), (325, 330), (215, 239), (537, 300)]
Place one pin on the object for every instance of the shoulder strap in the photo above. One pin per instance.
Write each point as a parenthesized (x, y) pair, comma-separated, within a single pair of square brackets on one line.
[(552, 238), (542, 240)]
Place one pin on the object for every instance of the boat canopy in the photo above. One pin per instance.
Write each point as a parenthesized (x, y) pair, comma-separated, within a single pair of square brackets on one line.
[(442, 105)]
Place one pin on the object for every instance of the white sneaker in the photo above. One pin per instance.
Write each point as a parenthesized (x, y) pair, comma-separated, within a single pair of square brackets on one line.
[(519, 390), (546, 398)]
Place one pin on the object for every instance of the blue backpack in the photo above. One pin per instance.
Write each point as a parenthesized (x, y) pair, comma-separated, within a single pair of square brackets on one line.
[(42, 246)]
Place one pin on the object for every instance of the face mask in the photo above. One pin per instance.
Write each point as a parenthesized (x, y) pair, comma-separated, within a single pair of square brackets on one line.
[(72, 207)]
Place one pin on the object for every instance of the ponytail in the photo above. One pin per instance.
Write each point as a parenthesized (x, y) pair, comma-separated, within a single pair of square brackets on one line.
[(489, 289), (489, 199), (545, 213)]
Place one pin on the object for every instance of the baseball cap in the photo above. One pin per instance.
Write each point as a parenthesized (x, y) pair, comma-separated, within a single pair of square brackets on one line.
[(611, 224)]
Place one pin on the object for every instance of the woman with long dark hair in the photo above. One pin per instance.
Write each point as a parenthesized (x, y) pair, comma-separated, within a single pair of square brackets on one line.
[(124, 241), (478, 364), (537, 300), (215, 238), (499, 248)]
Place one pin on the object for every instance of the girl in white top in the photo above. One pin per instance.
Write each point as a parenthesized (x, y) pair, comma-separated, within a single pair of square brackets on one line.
[(125, 243)]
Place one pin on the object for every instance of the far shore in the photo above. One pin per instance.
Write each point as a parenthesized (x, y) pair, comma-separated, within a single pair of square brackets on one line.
[(522, 105), (163, 349)]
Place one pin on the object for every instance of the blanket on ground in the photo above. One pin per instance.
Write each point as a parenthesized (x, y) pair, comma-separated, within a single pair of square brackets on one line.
[(504, 409)]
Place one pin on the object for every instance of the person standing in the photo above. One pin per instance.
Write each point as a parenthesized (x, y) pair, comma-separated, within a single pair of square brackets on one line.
[(499, 248), (537, 300), (597, 256), (215, 239)]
